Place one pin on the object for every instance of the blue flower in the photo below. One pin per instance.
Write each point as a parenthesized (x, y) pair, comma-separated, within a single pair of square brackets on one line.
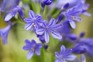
[(33, 21), (87, 44), (80, 48), (32, 48), (50, 28), (81, 45), (4, 33), (64, 55), (10, 9), (73, 14), (13, 12)]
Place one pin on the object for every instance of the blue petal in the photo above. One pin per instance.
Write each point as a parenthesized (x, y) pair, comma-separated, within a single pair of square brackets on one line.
[(37, 51), (27, 42), (56, 35), (28, 20), (30, 54), (10, 15), (52, 22), (46, 36), (21, 12), (28, 26), (39, 45), (39, 31), (77, 18), (87, 14), (60, 17), (70, 57), (72, 24), (63, 49), (32, 14), (33, 42), (27, 47), (56, 54), (72, 37)]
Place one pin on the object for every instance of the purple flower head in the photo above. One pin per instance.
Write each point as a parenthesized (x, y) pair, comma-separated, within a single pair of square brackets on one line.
[(33, 21), (73, 14), (83, 7), (4, 33), (50, 28), (10, 9), (13, 12), (32, 48), (64, 55)]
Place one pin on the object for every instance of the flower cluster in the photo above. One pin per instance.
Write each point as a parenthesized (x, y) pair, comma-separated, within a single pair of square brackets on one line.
[(45, 26)]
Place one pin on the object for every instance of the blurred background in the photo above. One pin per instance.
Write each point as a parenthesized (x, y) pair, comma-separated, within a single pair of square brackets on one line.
[(13, 52)]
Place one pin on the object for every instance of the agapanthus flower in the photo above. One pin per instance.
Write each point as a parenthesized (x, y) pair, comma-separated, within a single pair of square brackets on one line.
[(85, 45), (64, 55), (33, 21), (73, 14), (4, 33), (13, 12), (81, 45), (10, 9), (32, 48), (49, 28)]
